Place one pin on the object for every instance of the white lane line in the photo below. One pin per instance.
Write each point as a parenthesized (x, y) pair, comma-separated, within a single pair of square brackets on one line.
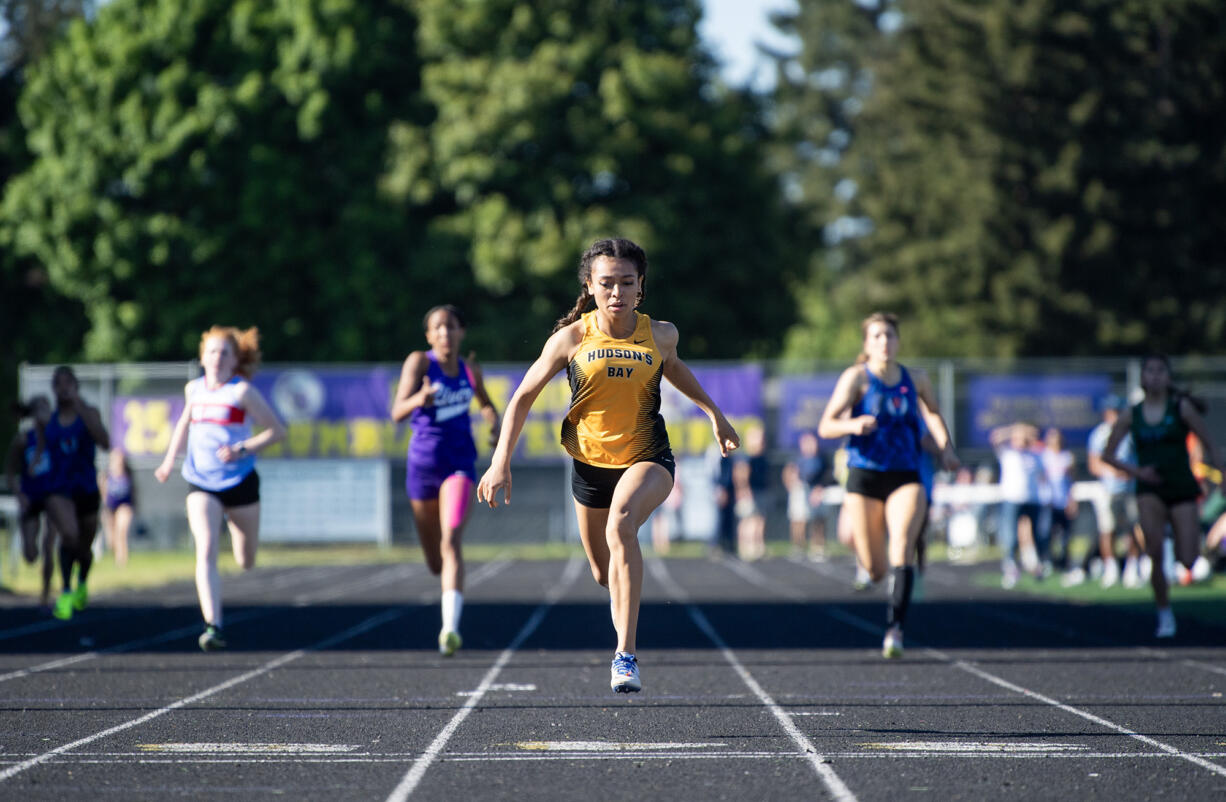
[(413, 777), (173, 634), (860, 623), (247, 748), (820, 763), (1099, 720), (387, 577), (327, 758), (358, 629), (609, 746)]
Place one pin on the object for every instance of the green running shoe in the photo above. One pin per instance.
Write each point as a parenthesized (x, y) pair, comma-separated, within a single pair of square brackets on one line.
[(211, 639), (63, 606), (448, 643), (80, 597)]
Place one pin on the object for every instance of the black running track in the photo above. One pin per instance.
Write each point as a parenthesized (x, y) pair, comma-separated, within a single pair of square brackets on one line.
[(761, 681)]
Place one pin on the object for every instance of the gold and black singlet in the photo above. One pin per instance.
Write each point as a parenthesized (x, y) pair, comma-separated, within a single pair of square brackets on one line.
[(614, 418)]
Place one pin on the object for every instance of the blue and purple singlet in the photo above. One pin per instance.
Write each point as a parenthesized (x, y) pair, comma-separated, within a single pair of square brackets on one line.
[(442, 443)]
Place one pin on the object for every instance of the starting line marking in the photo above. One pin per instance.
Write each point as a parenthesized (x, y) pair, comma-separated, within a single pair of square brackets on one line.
[(501, 686), (608, 746), (944, 747), (248, 749)]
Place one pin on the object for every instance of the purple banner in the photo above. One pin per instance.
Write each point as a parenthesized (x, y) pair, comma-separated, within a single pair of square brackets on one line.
[(802, 399), (344, 412), (1068, 403)]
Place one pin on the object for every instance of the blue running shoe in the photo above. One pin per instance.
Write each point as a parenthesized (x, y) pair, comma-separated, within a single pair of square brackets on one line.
[(625, 673)]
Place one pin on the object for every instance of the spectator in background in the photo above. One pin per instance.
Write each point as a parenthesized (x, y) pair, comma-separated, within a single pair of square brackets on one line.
[(1115, 507), (802, 480), (750, 479), (1061, 506), (724, 537), (1021, 494)]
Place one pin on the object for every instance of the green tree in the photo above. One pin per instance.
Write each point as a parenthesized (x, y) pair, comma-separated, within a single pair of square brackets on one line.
[(560, 122), (218, 161), (1038, 178), (330, 169)]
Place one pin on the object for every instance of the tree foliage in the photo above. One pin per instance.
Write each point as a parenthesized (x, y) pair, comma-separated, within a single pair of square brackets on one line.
[(1030, 178), (329, 169)]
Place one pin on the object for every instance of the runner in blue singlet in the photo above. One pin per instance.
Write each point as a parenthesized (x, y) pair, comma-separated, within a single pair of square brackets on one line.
[(885, 500)]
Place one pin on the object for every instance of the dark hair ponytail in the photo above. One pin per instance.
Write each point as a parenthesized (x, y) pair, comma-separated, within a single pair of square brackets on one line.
[(576, 311)]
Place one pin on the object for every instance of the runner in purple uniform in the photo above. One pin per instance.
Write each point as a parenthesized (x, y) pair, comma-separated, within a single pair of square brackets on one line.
[(118, 503), (435, 392)]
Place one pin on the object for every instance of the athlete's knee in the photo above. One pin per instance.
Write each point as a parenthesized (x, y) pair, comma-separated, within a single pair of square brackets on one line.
[(600, 575), (435, 564)]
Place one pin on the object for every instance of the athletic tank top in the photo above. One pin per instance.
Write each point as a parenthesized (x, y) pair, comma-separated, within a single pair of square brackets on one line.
[(118, 489), (216, 420), (35, 468), (614, 418), (895, 444), (1164, 446), (72, 456), (442, 433)]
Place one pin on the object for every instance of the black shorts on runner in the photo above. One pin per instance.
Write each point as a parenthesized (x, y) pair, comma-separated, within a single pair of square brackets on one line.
[(879, 484), (244, 493), (87, 503), (593, 486), (35, 508)]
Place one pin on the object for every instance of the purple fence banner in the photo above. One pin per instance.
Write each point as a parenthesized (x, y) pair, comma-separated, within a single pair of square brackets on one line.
[(802, 399), (344, 412), (1068, 403)]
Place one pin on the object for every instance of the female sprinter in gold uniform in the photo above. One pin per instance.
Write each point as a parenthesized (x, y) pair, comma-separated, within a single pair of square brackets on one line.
[(614, 357)]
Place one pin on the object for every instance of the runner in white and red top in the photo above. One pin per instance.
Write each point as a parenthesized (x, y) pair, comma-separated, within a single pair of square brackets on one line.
[(220, 465)]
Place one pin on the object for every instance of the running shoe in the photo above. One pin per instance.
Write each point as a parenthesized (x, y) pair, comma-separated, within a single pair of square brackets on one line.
[(63, 606), (863, 580), (891, 647), (80, 597), (448, 642), (625, 671), (1166, 624), (1111, 573), (1009, 575), (1073, 577), (211, 639)]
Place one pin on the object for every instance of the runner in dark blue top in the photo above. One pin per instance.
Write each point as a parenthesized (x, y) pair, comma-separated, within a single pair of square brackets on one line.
[(885, 500), (28, 466), (73, 434)]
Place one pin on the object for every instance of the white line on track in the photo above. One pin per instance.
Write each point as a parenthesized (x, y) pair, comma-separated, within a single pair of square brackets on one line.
[(358, 629), (970, 668), (397, 574), (413, 777), (834, 784), (125, 758)]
